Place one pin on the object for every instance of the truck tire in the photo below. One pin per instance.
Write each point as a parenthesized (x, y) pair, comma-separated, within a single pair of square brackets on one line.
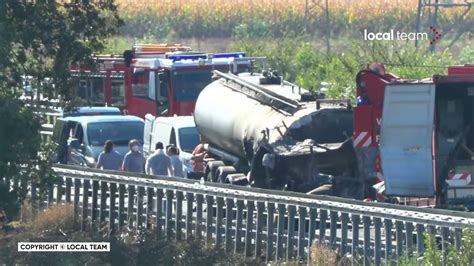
[(222, 173), (211, 168)]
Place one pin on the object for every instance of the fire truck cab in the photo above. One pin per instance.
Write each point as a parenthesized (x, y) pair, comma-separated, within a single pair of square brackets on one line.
[(174, 82), (158, 79), (417, 136)]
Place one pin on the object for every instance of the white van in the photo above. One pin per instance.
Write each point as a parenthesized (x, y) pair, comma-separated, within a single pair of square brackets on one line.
[(177, 130)]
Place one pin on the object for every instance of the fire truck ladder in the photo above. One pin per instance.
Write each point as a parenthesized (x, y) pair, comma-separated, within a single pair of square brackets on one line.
[(259, 93)]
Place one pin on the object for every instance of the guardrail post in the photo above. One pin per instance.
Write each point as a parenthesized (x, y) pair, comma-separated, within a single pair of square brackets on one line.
[(409, 238), (457, 238), (189, 214), (50, 195), (219, 217), (333, 229), (270, 227), (399, 236), (199, 204), (15, 184), (85, 203), (249, 228), (280, 231), (42, 194), (444, 241), (259, 229), (68, 189), (34, 195), (209, 214), (139, 219), (355, 220), (229, 203), (301, 232), (344, 229), (130, 207), (290, 232), (77, 189), (149, 207), (366, 220), (103, 201), (377, 240), (59, 192), (113, 190), (159, 211), (95, 189), (238, 225), (323, 214), (419, 239), (121, 206), (179, 214), (311, 231), (169, 215), (388, 240)]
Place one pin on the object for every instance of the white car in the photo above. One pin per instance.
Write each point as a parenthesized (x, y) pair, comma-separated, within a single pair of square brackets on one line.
[(177, 130)]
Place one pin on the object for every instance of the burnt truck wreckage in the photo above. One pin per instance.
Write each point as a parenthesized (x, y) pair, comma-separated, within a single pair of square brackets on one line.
[(262, 130)]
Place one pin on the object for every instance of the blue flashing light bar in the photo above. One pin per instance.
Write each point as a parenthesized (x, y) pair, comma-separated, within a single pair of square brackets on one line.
[(230, 55), (177, 57), (186, 57)]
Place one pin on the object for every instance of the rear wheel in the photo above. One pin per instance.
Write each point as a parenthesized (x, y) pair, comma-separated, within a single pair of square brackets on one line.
[(222, 173), (211, 169)]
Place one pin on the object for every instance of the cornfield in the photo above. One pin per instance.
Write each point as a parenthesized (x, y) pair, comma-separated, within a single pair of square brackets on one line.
[(275, 18)]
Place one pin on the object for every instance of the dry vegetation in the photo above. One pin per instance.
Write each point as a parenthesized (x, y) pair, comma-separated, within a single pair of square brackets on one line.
[(57, 217)]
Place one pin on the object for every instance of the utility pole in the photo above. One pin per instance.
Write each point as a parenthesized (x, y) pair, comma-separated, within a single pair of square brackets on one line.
[(428, 12)]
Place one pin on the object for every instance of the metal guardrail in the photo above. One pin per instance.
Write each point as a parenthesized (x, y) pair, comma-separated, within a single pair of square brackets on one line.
[(243, 218)]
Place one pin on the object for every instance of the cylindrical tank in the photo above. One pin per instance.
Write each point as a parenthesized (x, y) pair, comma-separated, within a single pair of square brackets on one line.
[(234, 122)]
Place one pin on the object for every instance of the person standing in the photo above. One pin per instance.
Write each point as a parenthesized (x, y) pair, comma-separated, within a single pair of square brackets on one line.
[(134, 160), (198, 156), (176, 163), (109, 159), (158, 163)]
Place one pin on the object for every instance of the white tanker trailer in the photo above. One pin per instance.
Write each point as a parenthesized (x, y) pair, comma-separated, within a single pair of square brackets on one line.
[(263, 131)]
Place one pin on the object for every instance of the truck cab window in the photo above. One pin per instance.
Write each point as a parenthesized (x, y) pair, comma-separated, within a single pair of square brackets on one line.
[(140, 82), (188, 83), (162, 84), (117, 88), (79, 133), (97, 86)]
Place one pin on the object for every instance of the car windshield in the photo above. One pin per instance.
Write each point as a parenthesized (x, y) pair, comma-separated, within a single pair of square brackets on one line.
[(188, 138), (119, 132), (187, 84)]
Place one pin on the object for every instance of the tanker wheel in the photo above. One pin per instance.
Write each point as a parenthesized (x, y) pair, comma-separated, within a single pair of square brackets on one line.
[(211, 169), (222, 173)]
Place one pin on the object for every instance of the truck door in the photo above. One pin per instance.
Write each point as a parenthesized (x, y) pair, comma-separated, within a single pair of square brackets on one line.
[(406, 139), (148, 133)]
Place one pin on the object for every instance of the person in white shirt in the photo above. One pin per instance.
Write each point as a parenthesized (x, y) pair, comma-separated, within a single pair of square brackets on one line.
[(176, 163), (158, 163)]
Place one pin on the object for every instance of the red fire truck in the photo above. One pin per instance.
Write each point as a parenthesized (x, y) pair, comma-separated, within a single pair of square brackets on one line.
[(156, 79), (417, 136)]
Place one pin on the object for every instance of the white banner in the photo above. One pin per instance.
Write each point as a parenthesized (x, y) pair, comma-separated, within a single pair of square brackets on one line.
[(64, 246)]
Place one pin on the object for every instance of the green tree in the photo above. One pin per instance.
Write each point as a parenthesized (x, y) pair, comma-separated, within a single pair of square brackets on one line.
[(41, 39)]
